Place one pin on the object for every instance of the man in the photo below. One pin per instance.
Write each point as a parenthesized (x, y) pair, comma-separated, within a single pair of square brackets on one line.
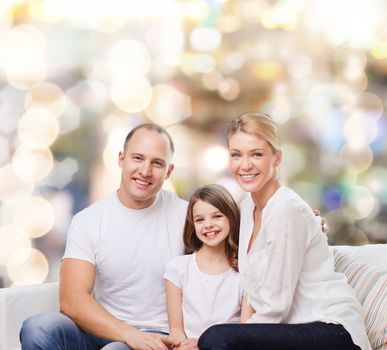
[(111, 279)]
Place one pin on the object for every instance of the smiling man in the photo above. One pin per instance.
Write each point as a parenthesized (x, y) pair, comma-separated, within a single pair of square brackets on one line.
[(111, 281)]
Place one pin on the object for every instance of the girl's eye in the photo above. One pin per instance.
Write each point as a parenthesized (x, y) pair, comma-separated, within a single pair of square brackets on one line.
[(198, 220), (217, 216)]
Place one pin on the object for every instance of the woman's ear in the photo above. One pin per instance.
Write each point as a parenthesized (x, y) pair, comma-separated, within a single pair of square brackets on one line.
[(278, 158)]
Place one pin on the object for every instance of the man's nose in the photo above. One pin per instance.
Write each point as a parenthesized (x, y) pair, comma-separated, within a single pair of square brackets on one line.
[(146, 169)]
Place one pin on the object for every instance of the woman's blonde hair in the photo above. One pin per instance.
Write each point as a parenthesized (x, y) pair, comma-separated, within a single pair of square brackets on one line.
[(258, 124)]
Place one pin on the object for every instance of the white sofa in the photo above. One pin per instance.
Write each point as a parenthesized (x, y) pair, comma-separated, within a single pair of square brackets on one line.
[(17, 303)]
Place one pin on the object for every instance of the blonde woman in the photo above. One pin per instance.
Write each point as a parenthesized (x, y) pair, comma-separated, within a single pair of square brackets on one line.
[(295, 300)]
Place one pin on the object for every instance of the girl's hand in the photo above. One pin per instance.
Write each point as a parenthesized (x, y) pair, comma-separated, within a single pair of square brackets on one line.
[(188, 344)]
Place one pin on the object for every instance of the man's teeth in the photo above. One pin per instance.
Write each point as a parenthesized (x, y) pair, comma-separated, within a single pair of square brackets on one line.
[(140, 182)]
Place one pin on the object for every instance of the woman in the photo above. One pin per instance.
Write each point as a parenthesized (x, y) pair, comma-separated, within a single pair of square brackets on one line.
[(295, 300)]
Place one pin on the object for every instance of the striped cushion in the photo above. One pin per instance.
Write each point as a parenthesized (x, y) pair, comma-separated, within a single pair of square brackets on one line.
[(370, 285)]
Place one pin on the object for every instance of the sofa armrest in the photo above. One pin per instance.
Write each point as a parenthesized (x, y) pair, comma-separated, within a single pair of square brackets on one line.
[(18, 303)]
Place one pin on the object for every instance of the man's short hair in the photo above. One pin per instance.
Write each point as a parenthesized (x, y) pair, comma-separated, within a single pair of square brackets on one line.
[(150, 126)]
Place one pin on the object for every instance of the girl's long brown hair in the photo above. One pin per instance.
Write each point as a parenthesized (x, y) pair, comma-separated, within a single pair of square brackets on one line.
[(221, 199)]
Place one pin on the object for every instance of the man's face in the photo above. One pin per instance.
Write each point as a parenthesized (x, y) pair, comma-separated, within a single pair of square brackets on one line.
[(145, 165)]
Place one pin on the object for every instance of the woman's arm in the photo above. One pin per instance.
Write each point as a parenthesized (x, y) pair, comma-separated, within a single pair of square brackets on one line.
[(247, 310), (175, 311)]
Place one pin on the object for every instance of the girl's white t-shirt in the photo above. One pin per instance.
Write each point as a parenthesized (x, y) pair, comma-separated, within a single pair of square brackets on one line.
[(206, 299)]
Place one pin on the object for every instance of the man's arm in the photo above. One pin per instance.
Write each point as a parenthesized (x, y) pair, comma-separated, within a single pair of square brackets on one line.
[(77, 278)]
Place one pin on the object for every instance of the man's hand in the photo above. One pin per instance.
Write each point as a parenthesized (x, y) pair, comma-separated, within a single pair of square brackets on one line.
[(324, 225), (188, 344), (138, 340)]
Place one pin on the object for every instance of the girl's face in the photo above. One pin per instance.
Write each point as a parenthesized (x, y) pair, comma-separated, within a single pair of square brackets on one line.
[(252, 161), (211, 226)]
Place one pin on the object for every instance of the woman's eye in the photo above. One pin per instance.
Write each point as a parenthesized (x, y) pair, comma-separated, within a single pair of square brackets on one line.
[(257, 154), (235, 155)]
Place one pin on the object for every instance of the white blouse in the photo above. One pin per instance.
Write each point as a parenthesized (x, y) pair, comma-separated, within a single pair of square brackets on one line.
[(288, 273)]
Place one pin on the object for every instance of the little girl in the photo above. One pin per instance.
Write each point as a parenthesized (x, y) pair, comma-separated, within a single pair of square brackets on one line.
[(203, 286)]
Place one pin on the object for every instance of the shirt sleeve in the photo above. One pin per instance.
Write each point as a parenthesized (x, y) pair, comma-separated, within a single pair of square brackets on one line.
[(80, 243), (173, 273), (275, 270)]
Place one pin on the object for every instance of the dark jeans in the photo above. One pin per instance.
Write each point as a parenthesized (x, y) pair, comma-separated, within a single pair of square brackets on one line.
[(254, 336)]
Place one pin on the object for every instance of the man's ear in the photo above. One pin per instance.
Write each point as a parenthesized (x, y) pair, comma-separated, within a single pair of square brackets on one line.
[(121, 157), (169, 171)]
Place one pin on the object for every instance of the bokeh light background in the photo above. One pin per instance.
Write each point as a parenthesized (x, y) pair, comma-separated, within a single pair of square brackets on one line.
[(75, 76)]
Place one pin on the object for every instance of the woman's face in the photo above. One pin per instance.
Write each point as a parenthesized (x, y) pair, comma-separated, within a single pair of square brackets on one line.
[(252, 161)]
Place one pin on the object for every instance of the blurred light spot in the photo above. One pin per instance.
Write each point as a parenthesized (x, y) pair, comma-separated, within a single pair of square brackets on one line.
[(131, 94), (371, 104), (268, 71), (300, 66), (46, 95), (6, 16), (229, 23), (106, 16), (229, 89), (360, 203), (35, 215), (359, 130), (293, 160), (361, 159), (233, 61), (46, 10), (214, 159), (332, 198), (168, 105), (11, 108), (12, 188), (201, 63), (61, 174), (212, 80), (205, 39), (71, 118), (184, 145), (194, 10), (32, 164), (166, 42), (18, 43), (4, 149), (91, 95), (27, 266), (38, 128), (11, 238), (24, 75), (281, 107), (129, 57), (379, 50)]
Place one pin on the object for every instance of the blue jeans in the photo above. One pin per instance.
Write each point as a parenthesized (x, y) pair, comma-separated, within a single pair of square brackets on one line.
[(254, 336), (54, 331)]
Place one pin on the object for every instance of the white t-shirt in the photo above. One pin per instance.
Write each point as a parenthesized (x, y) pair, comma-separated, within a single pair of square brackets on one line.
[(207, 299), (130, 249), (289, 273)]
